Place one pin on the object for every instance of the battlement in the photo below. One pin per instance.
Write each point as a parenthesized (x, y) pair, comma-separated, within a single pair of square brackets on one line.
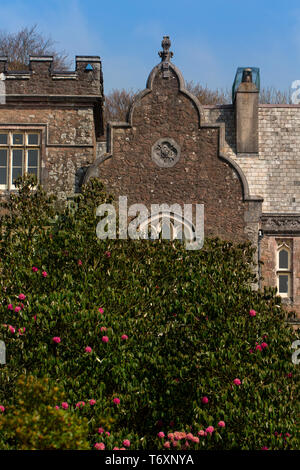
[(40, 78)]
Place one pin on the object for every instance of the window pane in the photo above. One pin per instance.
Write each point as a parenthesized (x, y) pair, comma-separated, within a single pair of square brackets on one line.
[(3, 175), (18, 139), (3, 139), (3, 157), (16, 173), (283, 284), (32, 171), (33, 139), (32, 158), (283, 259), (17, 157)]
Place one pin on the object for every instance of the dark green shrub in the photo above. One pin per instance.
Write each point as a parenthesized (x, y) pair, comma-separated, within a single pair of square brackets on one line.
[(186, 316)]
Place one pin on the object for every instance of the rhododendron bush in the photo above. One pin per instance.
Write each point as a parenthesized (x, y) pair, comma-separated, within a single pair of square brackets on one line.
[(150, 346)]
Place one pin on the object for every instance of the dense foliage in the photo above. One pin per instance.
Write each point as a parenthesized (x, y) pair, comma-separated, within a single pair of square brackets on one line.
[(154, 345)]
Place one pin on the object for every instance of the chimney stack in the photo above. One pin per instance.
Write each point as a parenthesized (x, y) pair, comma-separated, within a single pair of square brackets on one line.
[(246, 114)]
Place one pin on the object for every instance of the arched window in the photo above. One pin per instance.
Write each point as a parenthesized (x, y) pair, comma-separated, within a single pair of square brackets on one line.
[(284, 271)]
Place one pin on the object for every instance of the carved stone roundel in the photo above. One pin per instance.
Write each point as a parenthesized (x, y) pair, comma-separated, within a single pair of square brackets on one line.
[(165, 152)]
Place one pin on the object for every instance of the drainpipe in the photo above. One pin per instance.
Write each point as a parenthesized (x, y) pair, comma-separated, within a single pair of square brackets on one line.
[(259, 238)]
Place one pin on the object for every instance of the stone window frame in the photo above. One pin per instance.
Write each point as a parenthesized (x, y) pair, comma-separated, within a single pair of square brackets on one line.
[(282, 245), (24, 129)]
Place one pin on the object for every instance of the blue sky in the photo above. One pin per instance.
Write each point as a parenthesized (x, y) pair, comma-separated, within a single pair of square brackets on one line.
[(210, 39)]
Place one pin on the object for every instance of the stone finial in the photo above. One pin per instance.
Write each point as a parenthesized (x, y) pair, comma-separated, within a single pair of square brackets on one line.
[(165, 54)]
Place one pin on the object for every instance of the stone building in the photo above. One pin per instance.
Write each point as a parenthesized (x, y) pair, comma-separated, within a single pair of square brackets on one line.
[(240, 161), (50, 122)]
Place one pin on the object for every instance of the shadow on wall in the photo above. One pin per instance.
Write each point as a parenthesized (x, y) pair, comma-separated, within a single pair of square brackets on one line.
[(79, 178)]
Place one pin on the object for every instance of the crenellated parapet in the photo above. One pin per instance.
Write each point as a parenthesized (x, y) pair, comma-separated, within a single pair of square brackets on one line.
[(40, 78)]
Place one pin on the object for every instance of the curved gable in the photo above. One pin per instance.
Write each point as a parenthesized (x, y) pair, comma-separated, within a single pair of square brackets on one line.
[(166, 153)]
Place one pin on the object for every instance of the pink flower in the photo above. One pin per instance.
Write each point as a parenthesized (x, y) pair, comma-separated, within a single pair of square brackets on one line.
[(175, 443), (107, 254), (79, 262), (100, 430), (10, 307), (22, 330), (11, 329), (88, 349), (210, 429), (264, 448), (290, 375), (80, 404), (22, 297), (92, 402), (116, 401), (101, 310), (44, 274), (126, 443), (251, 351), (252, 313), (34, 269), (161, 434), (189, 436), (57, 407), (116, 448), (107, 433), (201, 433), (17, 309), (124, 337), (103, 328), (264, 345), (195, 439), (105, 339), (258, 347), (237, 382), (56, 339), (167, 445), (204, 400), (221, 424), (34, 317), (99, 446), (2, 409), (22, 306), (64, 405)]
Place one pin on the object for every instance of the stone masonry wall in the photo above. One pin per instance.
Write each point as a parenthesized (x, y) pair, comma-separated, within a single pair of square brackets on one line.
[(68, 142), (40, 79), (269, 247), (199, 176), (274, 173), (65, 107)]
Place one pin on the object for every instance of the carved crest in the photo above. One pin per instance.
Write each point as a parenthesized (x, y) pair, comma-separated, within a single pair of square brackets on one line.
[(165, 152)]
